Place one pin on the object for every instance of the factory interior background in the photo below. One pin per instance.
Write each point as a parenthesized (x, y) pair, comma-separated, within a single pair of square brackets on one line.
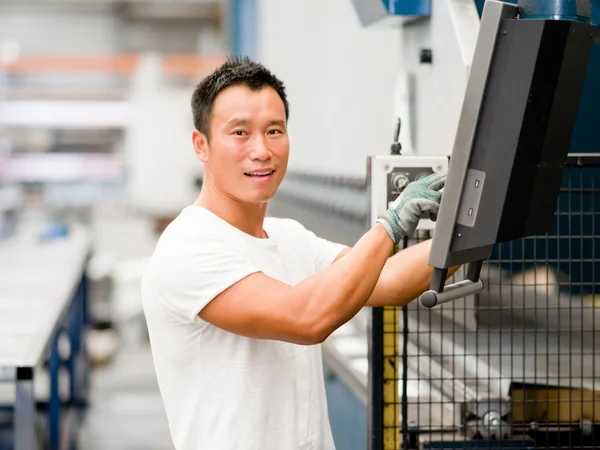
[(95, 138)]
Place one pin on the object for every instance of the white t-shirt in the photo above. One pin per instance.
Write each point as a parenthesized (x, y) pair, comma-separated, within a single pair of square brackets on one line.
[(222, 391)]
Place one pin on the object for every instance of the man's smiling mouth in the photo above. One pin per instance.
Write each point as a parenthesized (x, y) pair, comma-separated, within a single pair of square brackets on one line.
[(262, 173)]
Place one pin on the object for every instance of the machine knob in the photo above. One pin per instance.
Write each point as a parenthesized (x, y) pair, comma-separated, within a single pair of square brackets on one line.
[(400, 181)]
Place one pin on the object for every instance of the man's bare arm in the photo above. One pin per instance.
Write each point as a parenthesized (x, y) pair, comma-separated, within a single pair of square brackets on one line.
[(260, 307), (405, 276)]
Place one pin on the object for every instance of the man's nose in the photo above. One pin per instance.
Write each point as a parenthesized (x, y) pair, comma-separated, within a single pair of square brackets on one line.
[(260, 150)]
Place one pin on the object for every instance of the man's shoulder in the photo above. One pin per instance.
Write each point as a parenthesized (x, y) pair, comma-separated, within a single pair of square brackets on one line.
[(191, 235), (190, 247), (192, 224)]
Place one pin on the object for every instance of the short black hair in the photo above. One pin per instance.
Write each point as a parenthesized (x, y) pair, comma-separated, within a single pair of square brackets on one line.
[(235, 71)]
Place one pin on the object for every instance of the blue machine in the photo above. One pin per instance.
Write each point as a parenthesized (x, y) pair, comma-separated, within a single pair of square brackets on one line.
[(556, 10), (372, 11)]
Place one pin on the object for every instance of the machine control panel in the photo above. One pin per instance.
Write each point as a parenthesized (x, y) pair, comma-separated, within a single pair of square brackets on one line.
[(389, 175), (400, 177)]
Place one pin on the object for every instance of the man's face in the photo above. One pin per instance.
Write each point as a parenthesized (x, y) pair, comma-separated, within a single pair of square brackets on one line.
[(248, 152)]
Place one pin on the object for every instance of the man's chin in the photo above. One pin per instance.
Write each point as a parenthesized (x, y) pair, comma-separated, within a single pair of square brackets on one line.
[(258, 198), (259, 194)]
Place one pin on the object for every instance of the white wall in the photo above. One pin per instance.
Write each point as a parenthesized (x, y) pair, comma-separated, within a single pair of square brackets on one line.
[(438, 89), (340, 80)]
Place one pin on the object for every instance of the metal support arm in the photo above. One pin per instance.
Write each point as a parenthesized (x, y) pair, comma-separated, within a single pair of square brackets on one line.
[(439, 293)]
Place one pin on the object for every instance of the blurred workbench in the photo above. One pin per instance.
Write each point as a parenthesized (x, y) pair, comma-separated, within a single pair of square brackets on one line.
[(42, 296)]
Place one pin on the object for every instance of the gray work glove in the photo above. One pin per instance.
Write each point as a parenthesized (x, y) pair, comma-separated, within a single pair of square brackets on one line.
[(418, 198)]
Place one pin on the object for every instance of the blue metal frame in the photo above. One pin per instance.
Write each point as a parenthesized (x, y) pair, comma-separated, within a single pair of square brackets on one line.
[(373, 11), (54, 407), (408, 7), (77, 363), (576, 10), (242, 26)]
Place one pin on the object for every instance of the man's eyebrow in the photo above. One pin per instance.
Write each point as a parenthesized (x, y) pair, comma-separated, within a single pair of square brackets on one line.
[(237, 122), (281, 123)]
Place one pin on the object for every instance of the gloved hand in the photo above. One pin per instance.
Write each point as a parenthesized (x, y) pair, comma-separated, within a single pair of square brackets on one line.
[(418, 198)]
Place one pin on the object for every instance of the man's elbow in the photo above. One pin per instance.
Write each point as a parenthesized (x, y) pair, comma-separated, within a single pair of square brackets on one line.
[(313, 331), (317, 336)]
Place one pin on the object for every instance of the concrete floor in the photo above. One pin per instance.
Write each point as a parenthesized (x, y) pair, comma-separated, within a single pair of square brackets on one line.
[(126, 411)]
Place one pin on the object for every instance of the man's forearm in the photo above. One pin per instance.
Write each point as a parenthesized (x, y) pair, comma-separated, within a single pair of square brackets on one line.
[(333, 296), (406, 276)]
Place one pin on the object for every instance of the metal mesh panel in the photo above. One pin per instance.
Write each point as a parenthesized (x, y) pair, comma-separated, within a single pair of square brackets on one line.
[(512, 367)]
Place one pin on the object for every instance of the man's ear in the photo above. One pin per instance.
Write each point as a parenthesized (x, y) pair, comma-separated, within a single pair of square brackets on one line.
[(200, 142)]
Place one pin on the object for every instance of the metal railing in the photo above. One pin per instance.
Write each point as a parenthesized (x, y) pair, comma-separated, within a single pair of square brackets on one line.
[(512, 367)]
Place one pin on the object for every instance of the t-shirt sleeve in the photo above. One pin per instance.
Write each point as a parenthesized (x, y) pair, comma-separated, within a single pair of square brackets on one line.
[(323, 250), (190, 280)]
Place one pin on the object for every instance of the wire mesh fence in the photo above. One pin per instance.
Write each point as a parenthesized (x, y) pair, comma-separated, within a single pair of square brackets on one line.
[(512, 367)]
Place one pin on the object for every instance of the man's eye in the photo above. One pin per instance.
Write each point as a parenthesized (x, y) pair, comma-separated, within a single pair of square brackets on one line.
[(238, 132), (274, 131)]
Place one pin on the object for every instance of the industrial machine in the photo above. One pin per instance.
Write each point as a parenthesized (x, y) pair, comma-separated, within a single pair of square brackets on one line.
[(494, 357), (388, 175), (513, 137)]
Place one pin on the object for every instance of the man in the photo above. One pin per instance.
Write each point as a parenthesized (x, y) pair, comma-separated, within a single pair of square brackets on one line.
[(236, 303)]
